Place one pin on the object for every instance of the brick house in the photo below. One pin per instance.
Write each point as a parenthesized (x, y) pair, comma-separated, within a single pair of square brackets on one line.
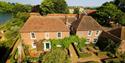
[(82, 25), (38, 29), (42, 28), (88, 28)]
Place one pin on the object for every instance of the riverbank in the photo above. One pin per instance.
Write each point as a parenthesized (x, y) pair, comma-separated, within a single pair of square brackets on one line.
[(4, 17), (11, 30)]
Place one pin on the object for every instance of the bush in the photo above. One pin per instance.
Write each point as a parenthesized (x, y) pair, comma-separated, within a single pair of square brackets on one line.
[(110, 54), (57, 55), (91, 62), (116, 60), (67, 41), (101, 54), (81, 54)]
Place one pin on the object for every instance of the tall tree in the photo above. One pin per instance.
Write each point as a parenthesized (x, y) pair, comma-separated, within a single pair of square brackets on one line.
[(119, 1), (54, 6), (120, 4), (5, 7), (108, 12), (14, 7), (76, 11), (21, 8)]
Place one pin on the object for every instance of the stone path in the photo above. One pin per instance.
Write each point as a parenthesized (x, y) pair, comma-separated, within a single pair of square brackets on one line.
[(73, 55)]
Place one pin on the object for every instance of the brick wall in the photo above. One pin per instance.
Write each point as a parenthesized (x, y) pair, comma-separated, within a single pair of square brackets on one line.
[(84, 34), (39, 36)]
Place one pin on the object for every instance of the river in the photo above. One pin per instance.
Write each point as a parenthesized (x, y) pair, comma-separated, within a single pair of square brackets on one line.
[(4, 17)]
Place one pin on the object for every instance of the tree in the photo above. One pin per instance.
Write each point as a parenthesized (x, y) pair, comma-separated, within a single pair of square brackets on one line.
[(117, 2), (21, 8), (106, 44), (76, 11), (120, 4), (55, 56), (122, 20), (5, 7), (108, 12), (53, 6), (123, 58), (14, 8)]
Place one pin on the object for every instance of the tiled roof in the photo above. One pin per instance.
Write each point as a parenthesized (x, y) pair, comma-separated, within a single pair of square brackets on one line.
[(44, 24), (88, 23), (69, 17), (118, 32), (88, 11)]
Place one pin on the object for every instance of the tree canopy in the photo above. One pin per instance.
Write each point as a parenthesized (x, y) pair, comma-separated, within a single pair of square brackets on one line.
[(53, 6), (108, 12), (119, 1), (120, 4), (14, 7), (76, 11)]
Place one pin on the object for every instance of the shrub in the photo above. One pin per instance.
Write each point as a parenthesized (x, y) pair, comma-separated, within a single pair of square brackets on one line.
[(57, 55), (116, 60), (91, 62), (67, 41), (81, 54), (101, 54)]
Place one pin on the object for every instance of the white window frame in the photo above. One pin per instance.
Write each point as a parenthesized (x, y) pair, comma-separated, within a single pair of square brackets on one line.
[(31, 35), (45, 49), (33, 46), (89, 32), (94, 40), (97, 34), (57, 35), (87, 41), (47, 36)]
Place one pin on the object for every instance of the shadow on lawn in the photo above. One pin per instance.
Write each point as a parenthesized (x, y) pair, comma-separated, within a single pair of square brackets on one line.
[(4, 53)]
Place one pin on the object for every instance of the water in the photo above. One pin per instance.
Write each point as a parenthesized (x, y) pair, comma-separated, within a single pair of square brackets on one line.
[(4, 17)]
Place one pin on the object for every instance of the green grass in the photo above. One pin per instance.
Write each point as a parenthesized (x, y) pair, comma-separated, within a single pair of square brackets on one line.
[(84, 55)]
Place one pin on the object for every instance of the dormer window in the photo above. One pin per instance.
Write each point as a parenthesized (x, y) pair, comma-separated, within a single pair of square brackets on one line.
[(33, 35), (89, 33)]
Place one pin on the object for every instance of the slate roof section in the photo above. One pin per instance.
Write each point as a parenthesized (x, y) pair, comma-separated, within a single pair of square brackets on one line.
[(44, 24), (118, 32)]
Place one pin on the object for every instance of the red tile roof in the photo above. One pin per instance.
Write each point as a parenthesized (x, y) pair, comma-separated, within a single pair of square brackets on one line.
[(44, 24), (88, 23), (69, 15), (118, 32), (88, 11)]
